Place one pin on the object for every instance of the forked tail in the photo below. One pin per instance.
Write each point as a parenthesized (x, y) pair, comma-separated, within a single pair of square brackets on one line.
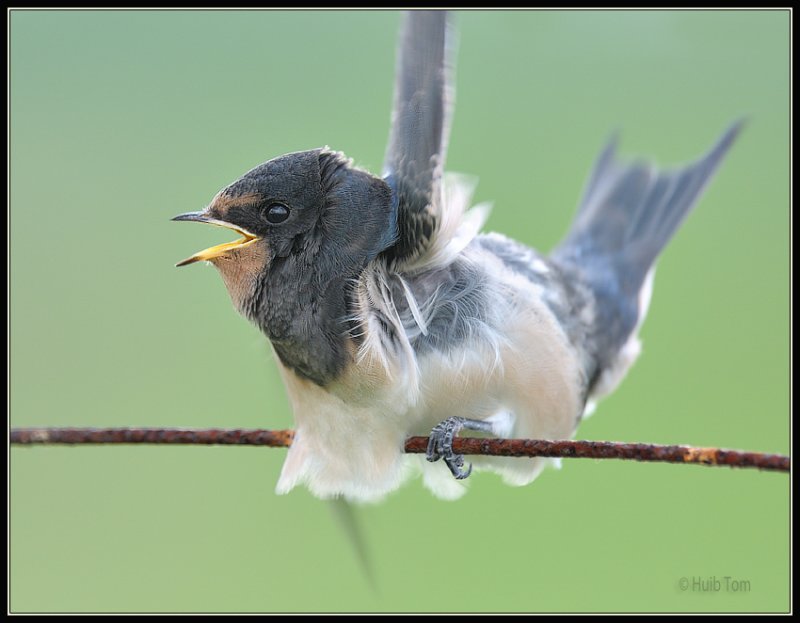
[(628, 214)]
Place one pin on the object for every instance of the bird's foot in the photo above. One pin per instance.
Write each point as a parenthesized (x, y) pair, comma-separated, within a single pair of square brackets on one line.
[(440, 443)]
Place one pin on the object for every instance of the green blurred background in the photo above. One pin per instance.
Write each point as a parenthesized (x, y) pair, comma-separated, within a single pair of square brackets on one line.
[(120, 120)]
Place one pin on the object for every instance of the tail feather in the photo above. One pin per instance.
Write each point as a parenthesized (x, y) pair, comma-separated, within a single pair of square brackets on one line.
[(672, 196), (348, 519), (629, 212)]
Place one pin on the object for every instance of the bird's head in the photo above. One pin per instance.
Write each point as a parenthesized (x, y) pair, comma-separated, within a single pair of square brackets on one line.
[(295, 213)]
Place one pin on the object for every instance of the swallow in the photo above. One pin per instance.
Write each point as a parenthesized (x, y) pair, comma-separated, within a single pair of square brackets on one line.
[(391, 314)]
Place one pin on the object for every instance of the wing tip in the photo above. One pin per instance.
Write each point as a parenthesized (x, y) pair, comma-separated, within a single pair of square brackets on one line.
[(730, 135)]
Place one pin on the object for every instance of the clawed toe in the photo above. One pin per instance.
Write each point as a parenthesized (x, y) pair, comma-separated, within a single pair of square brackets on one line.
[(440, 444)]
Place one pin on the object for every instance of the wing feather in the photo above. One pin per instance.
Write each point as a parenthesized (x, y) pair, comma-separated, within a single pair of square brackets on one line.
[(423, 106)]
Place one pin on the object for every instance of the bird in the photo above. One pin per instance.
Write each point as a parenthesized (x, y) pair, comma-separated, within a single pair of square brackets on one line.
[(391, 314)]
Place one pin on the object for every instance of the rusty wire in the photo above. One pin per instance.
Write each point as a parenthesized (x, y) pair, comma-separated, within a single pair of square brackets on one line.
[(416, 445)]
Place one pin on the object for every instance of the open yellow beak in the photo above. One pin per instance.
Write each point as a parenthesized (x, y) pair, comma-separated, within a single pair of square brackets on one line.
[(220, 249)]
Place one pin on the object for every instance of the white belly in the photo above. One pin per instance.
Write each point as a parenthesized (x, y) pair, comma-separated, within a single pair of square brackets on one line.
[(350, 437)]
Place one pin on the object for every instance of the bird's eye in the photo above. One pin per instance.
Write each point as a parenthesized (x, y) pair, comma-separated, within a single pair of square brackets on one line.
[(275, 213)]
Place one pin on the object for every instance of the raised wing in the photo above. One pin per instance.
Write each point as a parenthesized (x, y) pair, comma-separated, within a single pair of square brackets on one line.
[(423, 103)]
